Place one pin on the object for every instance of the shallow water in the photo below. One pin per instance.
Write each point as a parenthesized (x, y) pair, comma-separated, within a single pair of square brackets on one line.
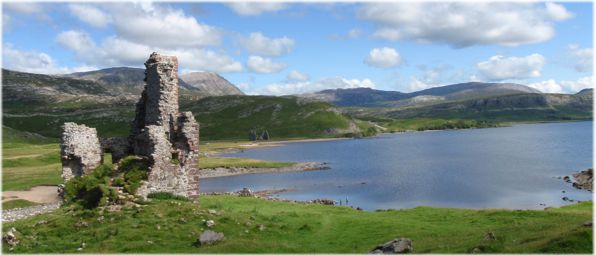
[(510, 167)]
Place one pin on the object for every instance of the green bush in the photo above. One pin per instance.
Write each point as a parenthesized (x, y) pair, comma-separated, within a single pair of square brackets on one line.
[(166, 196), (94, 190)]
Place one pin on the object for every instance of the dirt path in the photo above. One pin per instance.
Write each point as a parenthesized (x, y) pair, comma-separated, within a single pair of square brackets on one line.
[(39, 194)]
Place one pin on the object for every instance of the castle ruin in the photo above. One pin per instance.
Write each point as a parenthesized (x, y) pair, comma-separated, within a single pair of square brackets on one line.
[(169, 139)]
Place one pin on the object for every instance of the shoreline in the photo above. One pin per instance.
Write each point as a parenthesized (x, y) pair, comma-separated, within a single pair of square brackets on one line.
[(206, 173)]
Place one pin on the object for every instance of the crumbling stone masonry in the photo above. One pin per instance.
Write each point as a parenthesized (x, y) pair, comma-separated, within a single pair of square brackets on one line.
[(80, 150), (167, 138)]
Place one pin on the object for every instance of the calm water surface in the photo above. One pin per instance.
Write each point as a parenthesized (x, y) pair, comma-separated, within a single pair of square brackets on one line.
[(511, 167)]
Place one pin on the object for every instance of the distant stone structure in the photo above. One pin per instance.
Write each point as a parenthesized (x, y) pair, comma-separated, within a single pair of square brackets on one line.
[(167, 138)]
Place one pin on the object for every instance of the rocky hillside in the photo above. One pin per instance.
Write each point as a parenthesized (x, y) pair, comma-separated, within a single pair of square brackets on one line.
[(130, 81), (209, 83), (366, 97), (520, 107), (231, 117)]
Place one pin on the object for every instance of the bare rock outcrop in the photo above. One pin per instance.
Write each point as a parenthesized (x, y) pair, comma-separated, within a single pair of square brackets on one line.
[(80, 150)]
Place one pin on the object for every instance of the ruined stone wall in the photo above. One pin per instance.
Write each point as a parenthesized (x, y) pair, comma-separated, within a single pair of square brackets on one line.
[(169, 139), (164, 174), (119, 147), (80, 150), (187, 143), (161, 107)]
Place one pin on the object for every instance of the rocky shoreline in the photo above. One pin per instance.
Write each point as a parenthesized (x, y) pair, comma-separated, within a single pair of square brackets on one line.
[(298, 167)]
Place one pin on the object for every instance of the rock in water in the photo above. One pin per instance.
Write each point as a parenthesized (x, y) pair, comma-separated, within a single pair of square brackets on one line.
[(583, 179), (401, 245), (210, 237)]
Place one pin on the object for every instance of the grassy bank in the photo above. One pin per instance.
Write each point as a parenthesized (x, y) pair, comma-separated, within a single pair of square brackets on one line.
[(173, 226), (421, 124)]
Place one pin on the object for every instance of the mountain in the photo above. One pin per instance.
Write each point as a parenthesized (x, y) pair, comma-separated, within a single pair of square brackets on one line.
[(130, 80), (19, 87), (589, 91), (366, 97), (209, 83), (518, 107), (355, 96)]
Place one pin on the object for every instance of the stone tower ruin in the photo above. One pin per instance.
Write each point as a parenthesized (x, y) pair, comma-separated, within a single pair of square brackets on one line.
[(169, 139)]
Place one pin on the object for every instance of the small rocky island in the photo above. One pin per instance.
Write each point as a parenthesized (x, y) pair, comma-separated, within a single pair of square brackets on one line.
[(166, 138)]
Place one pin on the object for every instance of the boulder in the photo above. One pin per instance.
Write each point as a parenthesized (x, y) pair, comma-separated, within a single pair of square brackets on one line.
[(401, 245), (209, 237), (210, 223), (10, 238), (245, 192)]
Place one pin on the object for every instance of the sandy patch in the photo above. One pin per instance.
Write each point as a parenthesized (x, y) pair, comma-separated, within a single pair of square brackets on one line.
[(39, 194)]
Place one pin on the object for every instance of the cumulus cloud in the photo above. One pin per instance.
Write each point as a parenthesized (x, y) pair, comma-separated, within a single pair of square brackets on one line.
[(255, 8), (582, 58), (565, 86), (383, 57), (159, 25), (90, 15), (258, 44), (24, 7), (34, 62), (264, 65), (292, 88), (115, 51), (499, 67), (295, 75), (463, 24)]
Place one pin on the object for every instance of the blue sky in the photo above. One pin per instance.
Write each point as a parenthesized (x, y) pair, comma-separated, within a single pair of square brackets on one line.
[(281, 48)]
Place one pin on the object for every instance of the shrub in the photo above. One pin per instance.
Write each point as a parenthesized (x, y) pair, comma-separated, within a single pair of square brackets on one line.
[(92, 190), (166, 196)]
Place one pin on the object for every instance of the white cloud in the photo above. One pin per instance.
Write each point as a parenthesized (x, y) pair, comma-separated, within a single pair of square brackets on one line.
[(463, 24), (115, 51), (258, 44), (383, 57), (582, 58), (264, 65), (552, 86), (158, 25), (292, 88), (90, 15), (255, 8), (24, 7), (499, 67), (78, 41), (295, 75), (34, 62)]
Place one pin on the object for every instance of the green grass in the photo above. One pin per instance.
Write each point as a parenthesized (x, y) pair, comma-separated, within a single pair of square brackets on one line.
[(17, 203), (213, 162), (173, 226), (420, 124)]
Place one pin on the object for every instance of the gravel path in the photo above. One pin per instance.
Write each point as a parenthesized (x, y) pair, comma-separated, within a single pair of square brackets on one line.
[(21, 213)]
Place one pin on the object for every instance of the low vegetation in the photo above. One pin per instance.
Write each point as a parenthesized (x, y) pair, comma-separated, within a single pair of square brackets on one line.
[(258, 226), (421, 124), (17, 203), (213, 162)]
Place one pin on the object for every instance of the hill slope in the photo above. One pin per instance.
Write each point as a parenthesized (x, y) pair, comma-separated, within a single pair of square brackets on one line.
[(209, 83), (366, 97)]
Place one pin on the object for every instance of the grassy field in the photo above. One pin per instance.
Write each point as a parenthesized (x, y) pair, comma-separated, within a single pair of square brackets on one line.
[(30, 160), (173, 226), (213, 162), (17, 203), (420, 124)]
